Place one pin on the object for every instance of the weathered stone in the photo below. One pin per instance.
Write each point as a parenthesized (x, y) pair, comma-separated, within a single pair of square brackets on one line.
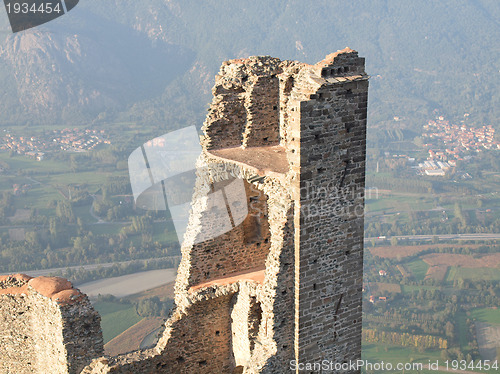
[(46, 326), (286, 283)]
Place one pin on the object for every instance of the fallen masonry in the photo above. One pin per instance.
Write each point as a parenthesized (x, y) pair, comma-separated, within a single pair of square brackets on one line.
[(284, 283)]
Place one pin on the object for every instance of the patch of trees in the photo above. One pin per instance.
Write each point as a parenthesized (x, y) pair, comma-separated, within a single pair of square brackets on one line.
[(7, 208), (422, 342), (62, 245), (154, 307), (147, 307), (430, 223)]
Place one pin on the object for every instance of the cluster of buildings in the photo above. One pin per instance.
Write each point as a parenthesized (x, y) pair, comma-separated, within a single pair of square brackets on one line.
[(458, 139), (380, 298), (436, 168), (20, 189), (76, 140), (458, 142)]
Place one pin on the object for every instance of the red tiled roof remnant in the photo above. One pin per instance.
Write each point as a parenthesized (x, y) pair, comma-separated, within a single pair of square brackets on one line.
[(55, 288), (14, 290), (18, 277), (49, 286)]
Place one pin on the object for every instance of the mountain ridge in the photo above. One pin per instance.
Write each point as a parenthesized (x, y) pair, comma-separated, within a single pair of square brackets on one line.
[(423, 57)]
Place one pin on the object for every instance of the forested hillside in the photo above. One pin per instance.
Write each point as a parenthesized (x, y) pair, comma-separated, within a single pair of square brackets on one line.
[(153, 62)]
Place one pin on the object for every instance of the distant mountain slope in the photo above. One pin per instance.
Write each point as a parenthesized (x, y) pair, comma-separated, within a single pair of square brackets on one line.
[(73, 74), (154, 61)]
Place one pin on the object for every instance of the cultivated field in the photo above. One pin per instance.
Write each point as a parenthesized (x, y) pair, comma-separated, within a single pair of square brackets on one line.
[(380, 288), (21, 215), (473, 274), (131, 339), (488, 315), (491, 260), (418, 269), (488, 338), (403, 251), (129, 284), (163, 292), (436, 272), (115, 318), (16, 234)]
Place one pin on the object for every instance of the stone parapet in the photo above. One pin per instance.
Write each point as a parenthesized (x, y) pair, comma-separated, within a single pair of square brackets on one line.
[(46, 326)]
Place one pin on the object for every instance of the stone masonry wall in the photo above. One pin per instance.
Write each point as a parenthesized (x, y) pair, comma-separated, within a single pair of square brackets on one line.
[(245, 109), (199, 339), (203, 347), (46, 326), (17, 348), (332, 175), (243, 248), (262, 107)]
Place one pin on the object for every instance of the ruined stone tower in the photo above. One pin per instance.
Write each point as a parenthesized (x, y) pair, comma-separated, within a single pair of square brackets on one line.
[(283, 286), (279, 286)]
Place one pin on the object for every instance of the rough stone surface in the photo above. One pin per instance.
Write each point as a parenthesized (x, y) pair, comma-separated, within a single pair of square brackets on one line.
[(285, 282), (46, 326)]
